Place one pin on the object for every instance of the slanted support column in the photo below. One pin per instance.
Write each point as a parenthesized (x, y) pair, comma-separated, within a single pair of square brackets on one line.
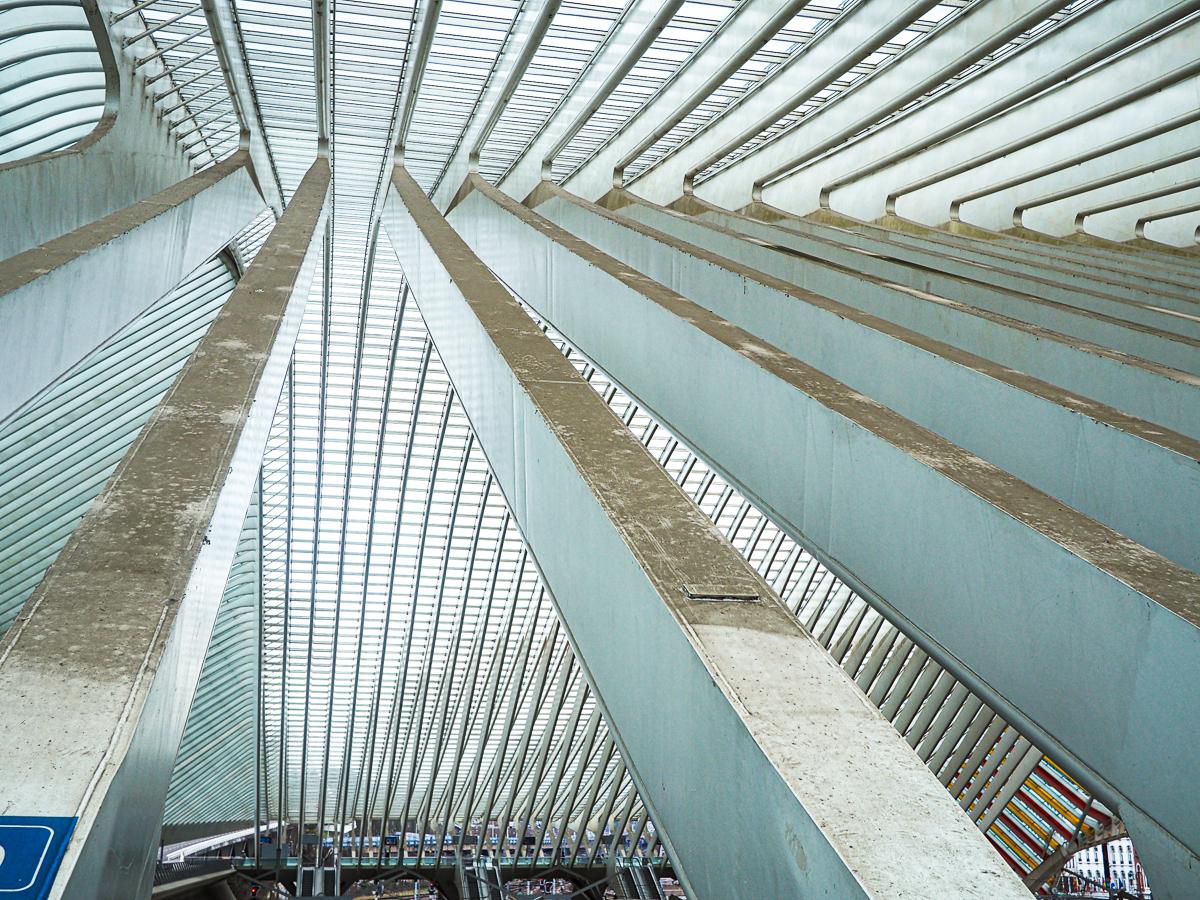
[(986, 572), (60, 300), (225, 32), (792, 784), (98, 672)]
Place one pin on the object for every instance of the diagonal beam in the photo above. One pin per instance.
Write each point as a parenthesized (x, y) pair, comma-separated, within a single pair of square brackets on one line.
[(227, 40), (951, 547), (788, 739), (131, 600), (69, 294)]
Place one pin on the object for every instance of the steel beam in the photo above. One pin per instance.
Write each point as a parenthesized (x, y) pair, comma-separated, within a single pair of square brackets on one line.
[(1087, 58), (1186, 209), (519, 50), (750, 25), (989, 570), (115, 634), (630, 39), (775, 732), (1054, 174), (1054, 211), (62, 299), (829, 55), (1127, 208), (227, 39), (971, 36)]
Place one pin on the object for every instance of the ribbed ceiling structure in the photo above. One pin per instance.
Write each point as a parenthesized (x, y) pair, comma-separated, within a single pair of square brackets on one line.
[(412, 665)]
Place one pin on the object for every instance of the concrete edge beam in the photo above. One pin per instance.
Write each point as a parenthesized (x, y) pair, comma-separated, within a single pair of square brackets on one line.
[(1129, 474), (1139, 387), (906, 241), (69, 294), (100, 668), (1176, 260), (1134, 328), (1029, 257), (947, 542), (785, 734), (975, 275)]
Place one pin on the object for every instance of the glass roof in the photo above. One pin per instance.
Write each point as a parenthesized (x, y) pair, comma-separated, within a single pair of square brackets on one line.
[(689, 30), (385, 647), (577, 33), (413, 666), (903, 42), (52, 84)]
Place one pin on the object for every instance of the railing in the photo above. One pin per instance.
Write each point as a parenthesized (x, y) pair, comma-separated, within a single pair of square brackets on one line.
[(167, 873)]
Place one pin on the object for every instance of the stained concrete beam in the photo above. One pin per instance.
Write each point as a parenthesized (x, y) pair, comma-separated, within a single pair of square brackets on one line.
[(1137, 329), (841, 244), (1132, 475), (1141, 388), (99, 670), (60, 300), (1113, 276), (815, 792), (992, 574)]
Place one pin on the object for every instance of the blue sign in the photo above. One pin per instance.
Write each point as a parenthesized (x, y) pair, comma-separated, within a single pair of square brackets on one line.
[(30, 850)]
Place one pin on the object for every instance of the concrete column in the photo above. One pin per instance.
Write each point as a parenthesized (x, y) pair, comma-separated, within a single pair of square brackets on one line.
[(792, 784), (60, 300), (996, 576), (99, 670)]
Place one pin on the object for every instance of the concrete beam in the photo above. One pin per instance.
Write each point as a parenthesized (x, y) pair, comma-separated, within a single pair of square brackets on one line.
[(1151, 493), (114, 637), (1141, 388), (991, 571), (970, 279), (60, 300), (1083, 260), (1021, 257), (1131, 328), (785, 737)]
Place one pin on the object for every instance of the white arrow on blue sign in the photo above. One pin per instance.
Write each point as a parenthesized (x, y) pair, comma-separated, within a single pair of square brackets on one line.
[(31, 847)]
